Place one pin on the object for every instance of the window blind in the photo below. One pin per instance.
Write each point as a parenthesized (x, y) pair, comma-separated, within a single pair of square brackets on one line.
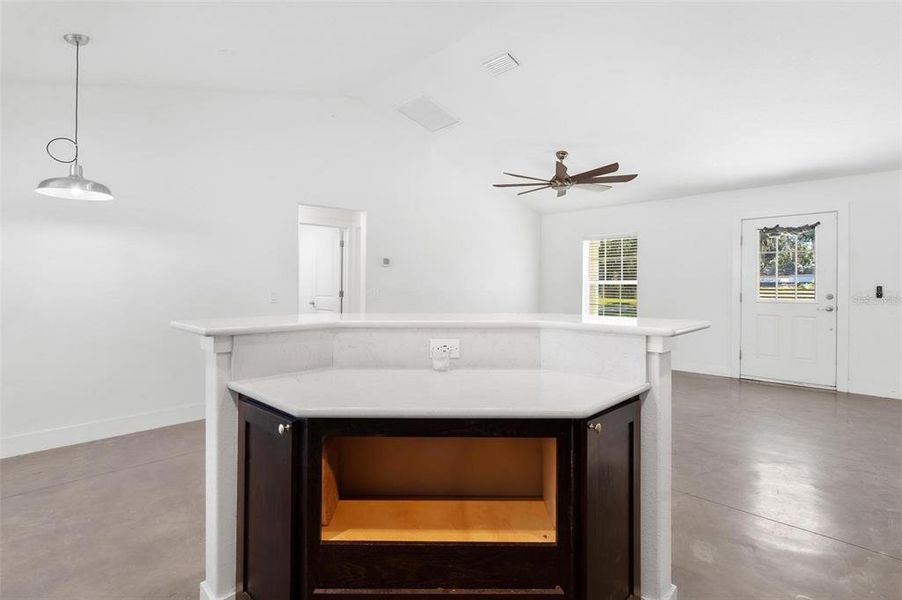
[(612, 277)]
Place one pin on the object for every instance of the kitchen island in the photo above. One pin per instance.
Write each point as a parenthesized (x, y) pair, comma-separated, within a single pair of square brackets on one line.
[(348, 407)]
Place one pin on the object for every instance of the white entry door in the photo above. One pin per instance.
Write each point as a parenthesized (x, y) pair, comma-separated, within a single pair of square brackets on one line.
[(320, 268), (789, 299)]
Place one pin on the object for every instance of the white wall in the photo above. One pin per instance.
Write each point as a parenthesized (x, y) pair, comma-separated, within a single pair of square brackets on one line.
[(686, 267), (205, 224)]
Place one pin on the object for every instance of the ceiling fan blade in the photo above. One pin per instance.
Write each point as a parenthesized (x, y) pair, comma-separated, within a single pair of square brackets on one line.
[(561, 192), (594, 187), (535, 190), (599, 171), (560, 170), (526, 177), (610, 179), (517, 184)]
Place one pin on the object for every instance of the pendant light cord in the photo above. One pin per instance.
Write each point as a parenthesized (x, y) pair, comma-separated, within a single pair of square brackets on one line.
[(77, 69), (75, 141)]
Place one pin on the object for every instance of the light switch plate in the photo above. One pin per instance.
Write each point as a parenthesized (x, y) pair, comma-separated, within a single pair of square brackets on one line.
[(436, 346)]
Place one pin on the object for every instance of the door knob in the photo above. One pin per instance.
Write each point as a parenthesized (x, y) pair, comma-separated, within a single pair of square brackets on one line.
[(829, 296), (827, 308), (312, 303), (283, 427)]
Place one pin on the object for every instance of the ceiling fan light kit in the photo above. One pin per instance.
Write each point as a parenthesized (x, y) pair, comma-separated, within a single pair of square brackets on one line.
[(74, 186), (595, 180)]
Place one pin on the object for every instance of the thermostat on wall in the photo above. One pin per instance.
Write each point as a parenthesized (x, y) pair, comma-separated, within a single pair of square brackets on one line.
[(386, 261)]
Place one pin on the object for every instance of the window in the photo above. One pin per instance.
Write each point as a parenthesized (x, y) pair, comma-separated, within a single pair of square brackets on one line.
[(786, 263), (611, 285)]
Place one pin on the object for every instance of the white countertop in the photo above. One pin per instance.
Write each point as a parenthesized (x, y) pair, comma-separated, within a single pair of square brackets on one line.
[(421, 393), (275, 323)]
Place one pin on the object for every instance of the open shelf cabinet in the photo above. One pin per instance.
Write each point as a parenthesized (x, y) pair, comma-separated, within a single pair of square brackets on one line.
[(439, 489)]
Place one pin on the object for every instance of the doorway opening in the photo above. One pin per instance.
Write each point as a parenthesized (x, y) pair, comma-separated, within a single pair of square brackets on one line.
[(331, 260), (788, 299)]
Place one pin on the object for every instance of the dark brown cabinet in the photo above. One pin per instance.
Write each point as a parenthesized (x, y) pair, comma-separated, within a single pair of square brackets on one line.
[(270, 553), (432, 508), (610, 509)]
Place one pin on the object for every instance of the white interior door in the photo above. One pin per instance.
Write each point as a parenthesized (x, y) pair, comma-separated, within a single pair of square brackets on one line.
[(789, 299), (320, 268)]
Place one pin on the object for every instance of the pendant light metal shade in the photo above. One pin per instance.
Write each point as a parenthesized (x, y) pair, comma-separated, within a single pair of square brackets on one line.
[(74, 187)]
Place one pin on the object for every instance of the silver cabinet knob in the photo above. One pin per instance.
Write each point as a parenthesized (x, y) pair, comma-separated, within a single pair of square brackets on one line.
[(283, 427), (595, 427), (827, 308)]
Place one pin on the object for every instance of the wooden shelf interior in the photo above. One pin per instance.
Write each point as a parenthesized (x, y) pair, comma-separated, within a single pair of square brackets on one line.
[(439, 489)]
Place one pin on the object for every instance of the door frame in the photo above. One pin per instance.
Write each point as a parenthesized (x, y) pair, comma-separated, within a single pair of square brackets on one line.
[(353, 223), (843, 297)]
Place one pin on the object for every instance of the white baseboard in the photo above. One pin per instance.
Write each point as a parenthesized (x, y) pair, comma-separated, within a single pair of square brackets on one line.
[(873, 390), (853, 388), (45, 439), (206, 594)]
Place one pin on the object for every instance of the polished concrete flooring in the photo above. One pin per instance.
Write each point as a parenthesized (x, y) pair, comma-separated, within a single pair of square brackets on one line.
[(779, 493)]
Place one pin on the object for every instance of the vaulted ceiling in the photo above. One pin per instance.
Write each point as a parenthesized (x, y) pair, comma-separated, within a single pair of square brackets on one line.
[(694, 97)]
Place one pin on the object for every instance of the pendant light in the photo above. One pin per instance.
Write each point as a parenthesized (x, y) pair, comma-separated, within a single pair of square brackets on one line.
[(74, 186)]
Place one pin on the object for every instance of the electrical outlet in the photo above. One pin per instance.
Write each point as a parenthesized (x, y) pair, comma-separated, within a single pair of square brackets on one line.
[(274, 298), (439, 346)]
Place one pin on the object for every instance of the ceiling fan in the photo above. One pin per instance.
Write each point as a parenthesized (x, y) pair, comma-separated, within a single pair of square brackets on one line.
[(561, 182)]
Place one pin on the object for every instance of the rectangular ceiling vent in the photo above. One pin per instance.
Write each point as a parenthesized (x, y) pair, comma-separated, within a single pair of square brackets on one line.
[(427, 113), (500, 64)]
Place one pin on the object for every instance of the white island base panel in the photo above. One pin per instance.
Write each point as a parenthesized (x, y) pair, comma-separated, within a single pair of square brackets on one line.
[(511, 365), (422, 394)]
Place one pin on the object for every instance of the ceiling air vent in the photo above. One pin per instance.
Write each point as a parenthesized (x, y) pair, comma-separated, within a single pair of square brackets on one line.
[(500, 64), (427, 113)]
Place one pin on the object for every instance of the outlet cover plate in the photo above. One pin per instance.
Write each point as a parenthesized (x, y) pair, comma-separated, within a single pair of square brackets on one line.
[(435, 346)]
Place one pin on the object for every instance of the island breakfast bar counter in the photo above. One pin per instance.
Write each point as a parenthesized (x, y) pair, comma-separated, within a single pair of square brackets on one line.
[(427, 394), (359, 367)]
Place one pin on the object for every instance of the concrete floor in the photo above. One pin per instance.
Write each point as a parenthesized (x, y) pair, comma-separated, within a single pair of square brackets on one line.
[(779, 493)]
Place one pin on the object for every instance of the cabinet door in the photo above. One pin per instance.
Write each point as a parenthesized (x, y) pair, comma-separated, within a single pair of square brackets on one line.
[(266, 495), (611, 504)]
